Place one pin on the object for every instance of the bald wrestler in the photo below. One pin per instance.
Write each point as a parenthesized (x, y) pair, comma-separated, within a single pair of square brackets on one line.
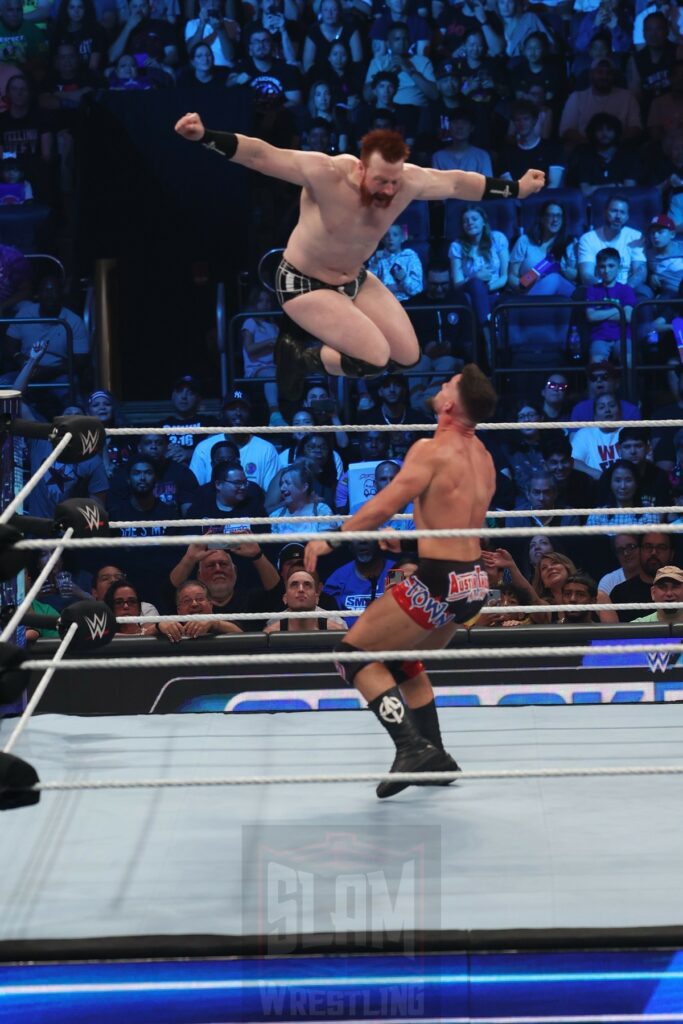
[(451, 480), (347, 204)]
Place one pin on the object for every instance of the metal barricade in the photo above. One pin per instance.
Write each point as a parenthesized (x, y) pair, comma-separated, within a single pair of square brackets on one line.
[(500, 339), (70, 384)]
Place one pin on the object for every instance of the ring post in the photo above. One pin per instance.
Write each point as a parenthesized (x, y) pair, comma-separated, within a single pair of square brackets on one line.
[(13, 475)]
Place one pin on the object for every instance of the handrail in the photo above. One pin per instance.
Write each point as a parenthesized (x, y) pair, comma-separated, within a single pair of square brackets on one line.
[(233, 345), (571, 304), (69, 348), (638, 306)]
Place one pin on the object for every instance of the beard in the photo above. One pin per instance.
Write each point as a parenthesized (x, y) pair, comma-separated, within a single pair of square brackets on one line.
[(369, 198)]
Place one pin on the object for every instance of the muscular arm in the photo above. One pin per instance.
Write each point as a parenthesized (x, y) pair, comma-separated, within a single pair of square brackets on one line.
[(286, 164), (431, 184)]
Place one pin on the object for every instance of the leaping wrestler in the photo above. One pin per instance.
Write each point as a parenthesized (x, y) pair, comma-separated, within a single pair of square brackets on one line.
[(347, 204)]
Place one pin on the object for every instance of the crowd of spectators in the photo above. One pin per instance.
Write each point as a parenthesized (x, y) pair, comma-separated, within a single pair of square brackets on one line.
[(590, 92)]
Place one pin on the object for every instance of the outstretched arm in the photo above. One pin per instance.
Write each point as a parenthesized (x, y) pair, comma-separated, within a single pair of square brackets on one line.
[(287, 164), (412, 480), (470, 185)]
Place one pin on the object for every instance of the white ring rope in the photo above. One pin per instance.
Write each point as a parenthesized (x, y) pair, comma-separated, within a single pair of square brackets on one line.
[(35, 479), (460, 776), (343, 613), (513, 513), (33, 591), (402, 428), (227, 540), (364, 657), (41, 688)]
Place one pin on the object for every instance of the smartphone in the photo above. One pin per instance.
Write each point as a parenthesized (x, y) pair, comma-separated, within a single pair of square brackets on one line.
[(394, 576), (494, 595)]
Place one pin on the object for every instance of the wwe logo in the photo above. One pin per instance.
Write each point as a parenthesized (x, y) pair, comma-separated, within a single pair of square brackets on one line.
[(658, 661), (91, 514), (90, 440), (97, 626)]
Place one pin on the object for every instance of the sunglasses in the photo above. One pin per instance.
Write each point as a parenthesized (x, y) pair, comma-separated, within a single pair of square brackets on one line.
[(556, 386)]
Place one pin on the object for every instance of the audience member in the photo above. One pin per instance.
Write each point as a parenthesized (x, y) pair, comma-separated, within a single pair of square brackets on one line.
[(186, 401), (603, 379), (103, 578), (76, 22), (144, 36), (399, 12), (656, 551), (231, 497), (554, 393), (575, 488), (174, 485), (517, 25), (398, 268), (609, 322), (552, 572), (667, 585), (210, 29), (615, 234), (479, 260), (627, 549), (302, 591), (510, 598), (192, 599), (653, 485), (603, 162), (620, 482), (123, 599), (602, 97), (332, 26), (596, 447), (538, 261), (258, 457), (580, 589), (524, 452), (460, 154), (259, 333), (665, 116), (264, 73), (525, 147), (201, 72), (358, 582), (299, 498)]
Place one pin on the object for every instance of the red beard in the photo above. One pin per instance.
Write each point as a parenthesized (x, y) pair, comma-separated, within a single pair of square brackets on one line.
[(369, 198)]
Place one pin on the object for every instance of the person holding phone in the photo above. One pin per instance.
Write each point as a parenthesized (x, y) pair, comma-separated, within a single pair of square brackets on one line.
[(212, 28)]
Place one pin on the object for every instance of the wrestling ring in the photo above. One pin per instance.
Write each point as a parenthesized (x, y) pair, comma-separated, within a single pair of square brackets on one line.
[(170, 865)]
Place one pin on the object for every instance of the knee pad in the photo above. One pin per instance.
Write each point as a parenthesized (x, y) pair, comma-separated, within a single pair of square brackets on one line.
[(394, 367), (359, 368), (402, 671), (348, 670)]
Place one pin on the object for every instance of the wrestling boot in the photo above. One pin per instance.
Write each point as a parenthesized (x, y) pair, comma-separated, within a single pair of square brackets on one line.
[(426, 719), (294, 362), (413, 752)]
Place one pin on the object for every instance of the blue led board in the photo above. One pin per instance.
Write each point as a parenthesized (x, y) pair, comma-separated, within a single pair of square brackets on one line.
[(545, 988)]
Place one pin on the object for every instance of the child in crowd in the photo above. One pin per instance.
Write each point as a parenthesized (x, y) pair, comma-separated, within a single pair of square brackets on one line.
[(606, 320), (398, 268)]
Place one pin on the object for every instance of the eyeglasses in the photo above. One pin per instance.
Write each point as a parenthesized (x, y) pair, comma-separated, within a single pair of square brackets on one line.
[(659, 548), (555, 385), (121, 602), (627, 549)]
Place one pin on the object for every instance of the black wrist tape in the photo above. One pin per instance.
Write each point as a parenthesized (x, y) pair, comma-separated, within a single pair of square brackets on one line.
[(500, 188), (224, 143)]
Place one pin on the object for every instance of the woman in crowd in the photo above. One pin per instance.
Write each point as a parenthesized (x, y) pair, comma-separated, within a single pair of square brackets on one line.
[(550, 577), (298, 497), (123, 599), (322, 108), (504, 572), (343, 76), (621, 486), (259, 334), (479, 260), (76, 22), (518, 25), (331, 27), (202, 71), (538, 261), (117, 450)]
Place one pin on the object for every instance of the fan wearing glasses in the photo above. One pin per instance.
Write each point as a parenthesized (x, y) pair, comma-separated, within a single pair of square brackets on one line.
[(554, 393), (656, 551), (603, 378), (626, 547)]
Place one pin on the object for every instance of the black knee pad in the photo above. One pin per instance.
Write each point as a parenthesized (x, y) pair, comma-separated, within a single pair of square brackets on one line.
[(394, 367), (359, 368), (348, 670)]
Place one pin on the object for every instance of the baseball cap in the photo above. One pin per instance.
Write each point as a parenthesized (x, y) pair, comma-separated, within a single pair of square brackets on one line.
[(236, 396), (188, 381), (662, 221), (289, 552), (669, 572), (446, 69)]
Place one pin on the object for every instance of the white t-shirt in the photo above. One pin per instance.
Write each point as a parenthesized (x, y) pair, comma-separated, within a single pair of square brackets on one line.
[(318, 508), (611, 580), (407, 92), (258, 458), (596, 447), (629, 243), (262, 330), (210, 37)]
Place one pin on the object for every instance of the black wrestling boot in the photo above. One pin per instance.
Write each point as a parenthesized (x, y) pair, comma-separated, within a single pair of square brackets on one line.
[(294, 362), (413, 752), (427, 721)]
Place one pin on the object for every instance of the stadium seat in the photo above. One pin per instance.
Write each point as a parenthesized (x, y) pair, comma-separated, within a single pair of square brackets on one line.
[(531, 335)]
